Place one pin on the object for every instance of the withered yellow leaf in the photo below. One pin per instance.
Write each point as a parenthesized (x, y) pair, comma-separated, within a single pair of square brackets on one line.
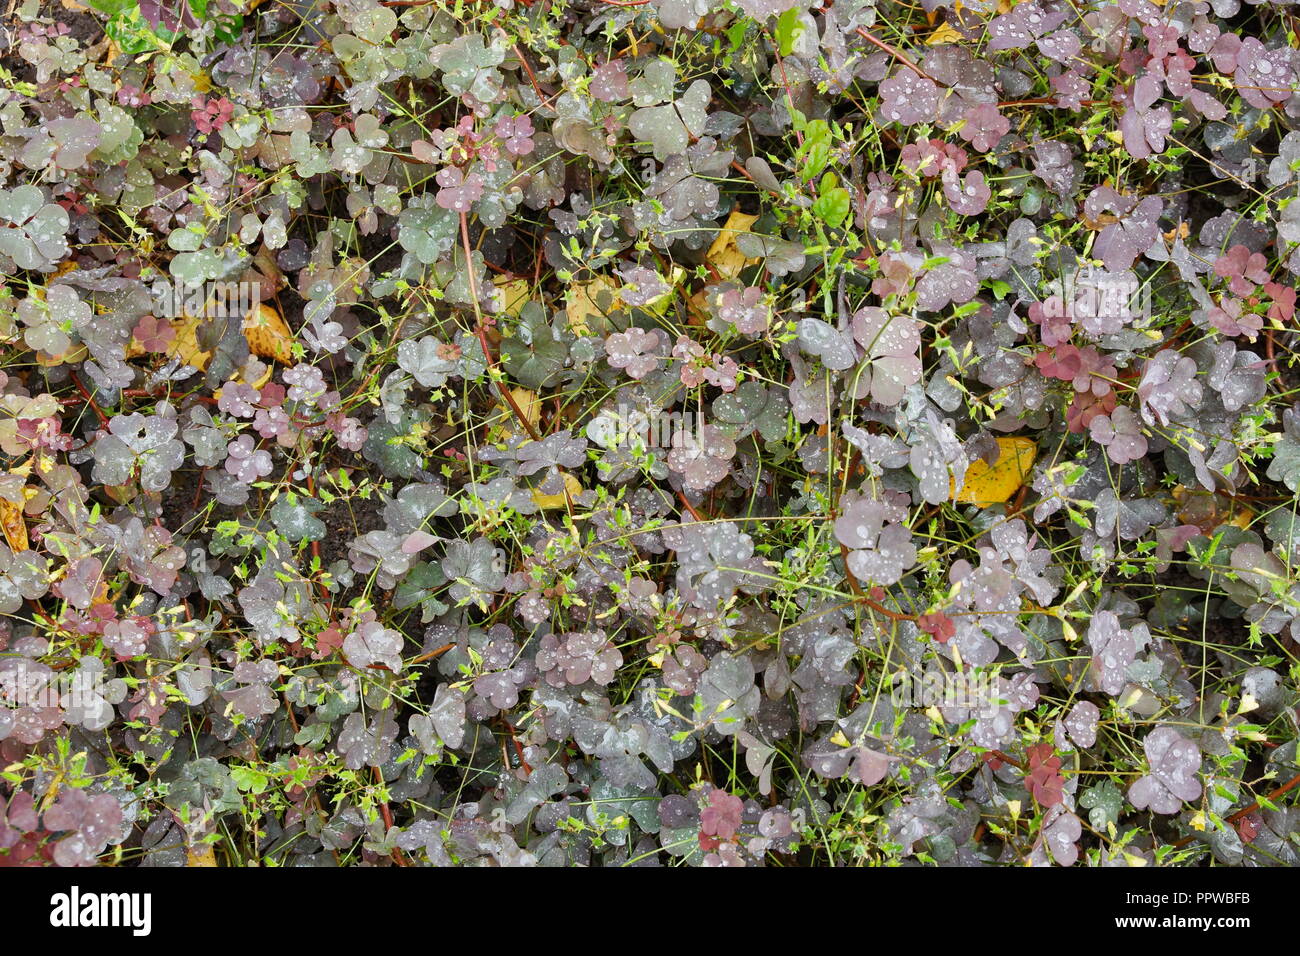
[(724, 255), (512, 293), (202, 855), (77, 353), (589, 303), (571, 485), (267, 334), (258, 384), (529, 402), (1207, 510), (697, 308), (993, 484), (186, 344), (944, 34), (15, 526), (261, 379)]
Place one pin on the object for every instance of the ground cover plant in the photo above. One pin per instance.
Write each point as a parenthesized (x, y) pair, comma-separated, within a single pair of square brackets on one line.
[(649, 432)]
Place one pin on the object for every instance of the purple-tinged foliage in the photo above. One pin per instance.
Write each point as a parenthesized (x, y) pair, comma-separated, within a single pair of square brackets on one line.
[(429, 446)]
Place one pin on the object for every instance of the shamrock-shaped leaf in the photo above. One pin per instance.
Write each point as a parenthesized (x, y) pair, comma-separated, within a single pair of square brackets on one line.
[(1168, 386), (367, 745), (908, 98), (245, 462), (294, 517), (476, 569), (702, 457), (1103, 801), (1060, 832), (1081, 723), (1113, 649), (670, 128), (983, 126), (637, 351), (372, 643), (536, 354), (727, 694), (880, 544), (833, 347), (32, 232), (1134, 231), (892, 344), (353, 154), (138, 440), (428, 234), (1173, 763), (752, 407), (576, 658), (427, 360), (1121, 433)]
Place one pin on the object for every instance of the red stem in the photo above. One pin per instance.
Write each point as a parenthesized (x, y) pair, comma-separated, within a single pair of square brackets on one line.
[(1246, 811), (103, 419), (482, 335), (398, 857)]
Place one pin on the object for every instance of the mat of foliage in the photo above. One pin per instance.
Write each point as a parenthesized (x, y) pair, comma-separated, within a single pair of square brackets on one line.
[(393, 569)]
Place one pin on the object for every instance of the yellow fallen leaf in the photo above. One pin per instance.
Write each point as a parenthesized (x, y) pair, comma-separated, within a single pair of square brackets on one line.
[(1207, 510), (258, 384), (513, 293), (944, 34), (261, 379), (268, 336), (589, 303), (993, 484), (529, 402), (724, 255), (15, 526), (186, 344), (76, 353), (698, 308), (200, 856), (572, 487)]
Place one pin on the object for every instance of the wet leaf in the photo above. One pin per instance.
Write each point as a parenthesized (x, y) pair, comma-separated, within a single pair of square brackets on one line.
[(267, 334), (987, 485)]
